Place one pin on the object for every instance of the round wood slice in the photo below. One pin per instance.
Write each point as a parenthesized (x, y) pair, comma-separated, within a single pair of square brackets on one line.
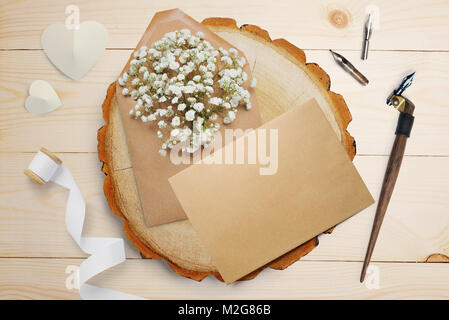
[(284, 80)]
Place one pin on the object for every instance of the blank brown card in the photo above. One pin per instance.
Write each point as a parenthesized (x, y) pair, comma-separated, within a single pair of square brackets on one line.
[(245, 219)]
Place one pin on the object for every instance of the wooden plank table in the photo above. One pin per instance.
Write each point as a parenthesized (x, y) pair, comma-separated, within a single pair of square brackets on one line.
[(35, 249)]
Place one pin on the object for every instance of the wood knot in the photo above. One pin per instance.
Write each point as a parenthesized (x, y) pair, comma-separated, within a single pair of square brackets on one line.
[(437, 257), (338, 18)]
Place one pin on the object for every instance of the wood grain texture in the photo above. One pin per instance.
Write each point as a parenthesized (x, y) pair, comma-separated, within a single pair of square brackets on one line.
[(373, 122), (32, 216), (416, 228), (406, 25), (45, 279)]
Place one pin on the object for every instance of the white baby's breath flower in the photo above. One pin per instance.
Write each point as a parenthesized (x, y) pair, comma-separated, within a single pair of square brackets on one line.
[(135, 82), (146, 98), (174, 65), (188, 89), (232, 73), (132, 70), (211, 67), (190, 115), (176, 121), (226, 60), (135, 94), (171, 36), (180, 78), (143, 90), (223, 51), (161, 112), (175, 132), (215, 101), (191, 100), (142, 54), (198, 106), (199, 121), (241, 62), (143, 69)]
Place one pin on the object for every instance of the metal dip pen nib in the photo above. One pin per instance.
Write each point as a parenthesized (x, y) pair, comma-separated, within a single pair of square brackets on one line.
[(406, 82), (368, 32), (349, 68)]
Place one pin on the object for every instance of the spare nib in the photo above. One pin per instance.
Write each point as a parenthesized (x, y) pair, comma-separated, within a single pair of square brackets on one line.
[(406, 82), (348, 67), (368, 32)]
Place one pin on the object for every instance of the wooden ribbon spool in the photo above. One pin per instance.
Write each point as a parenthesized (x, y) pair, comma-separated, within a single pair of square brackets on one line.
[(284, 80), (33, 176)]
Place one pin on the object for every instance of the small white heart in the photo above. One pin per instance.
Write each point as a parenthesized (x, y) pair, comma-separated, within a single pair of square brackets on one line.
[(42, 98), (75, 52)]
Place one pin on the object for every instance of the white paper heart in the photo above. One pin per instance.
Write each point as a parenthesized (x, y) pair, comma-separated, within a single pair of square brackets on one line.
[(42, 98), (75, 52)]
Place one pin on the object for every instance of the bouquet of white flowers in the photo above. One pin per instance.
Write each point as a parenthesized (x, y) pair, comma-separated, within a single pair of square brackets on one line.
[(184, 84)]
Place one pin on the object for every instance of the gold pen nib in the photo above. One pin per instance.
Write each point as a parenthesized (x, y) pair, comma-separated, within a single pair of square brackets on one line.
[(349, 68)]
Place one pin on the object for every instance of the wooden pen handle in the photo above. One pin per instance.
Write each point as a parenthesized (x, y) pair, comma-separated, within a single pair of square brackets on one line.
[(391, 175), (405, 123)]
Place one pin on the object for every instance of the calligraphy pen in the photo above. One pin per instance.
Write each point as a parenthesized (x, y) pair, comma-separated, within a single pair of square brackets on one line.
[(403, 129)]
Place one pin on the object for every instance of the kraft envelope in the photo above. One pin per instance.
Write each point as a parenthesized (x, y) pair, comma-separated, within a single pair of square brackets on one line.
[(159, 203), (245, 220)]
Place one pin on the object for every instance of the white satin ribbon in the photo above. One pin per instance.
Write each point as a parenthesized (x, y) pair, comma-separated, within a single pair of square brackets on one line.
[(105, 252)]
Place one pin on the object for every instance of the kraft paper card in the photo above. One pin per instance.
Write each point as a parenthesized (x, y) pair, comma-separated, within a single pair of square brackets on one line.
[(151, 170), (245, 219)]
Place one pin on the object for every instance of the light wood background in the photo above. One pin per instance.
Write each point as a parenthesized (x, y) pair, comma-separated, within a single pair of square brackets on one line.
[(35, 248)]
